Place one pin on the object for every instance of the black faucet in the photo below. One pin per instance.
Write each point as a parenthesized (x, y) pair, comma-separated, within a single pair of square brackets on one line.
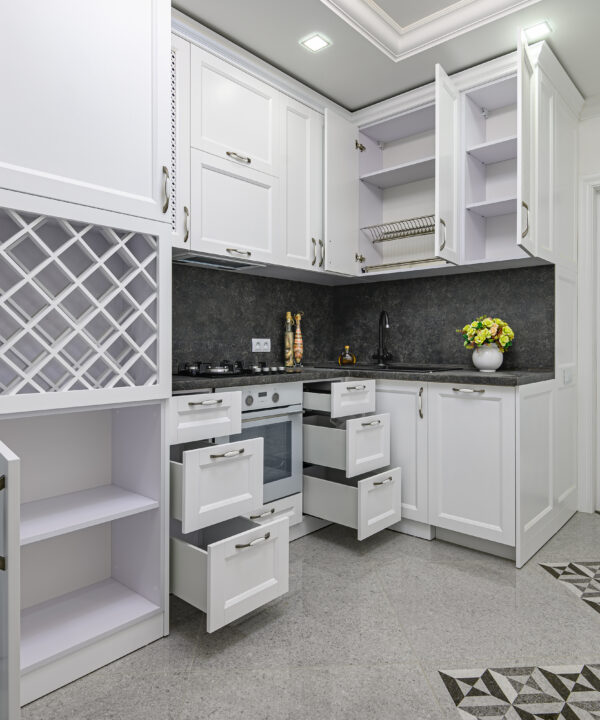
[(382, 355)]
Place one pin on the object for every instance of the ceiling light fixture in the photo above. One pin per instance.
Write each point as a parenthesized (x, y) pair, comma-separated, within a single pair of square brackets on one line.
[(538, 32), (315, 42)]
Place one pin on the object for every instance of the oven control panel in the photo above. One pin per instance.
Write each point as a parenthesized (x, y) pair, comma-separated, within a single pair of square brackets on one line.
[(260, 397)]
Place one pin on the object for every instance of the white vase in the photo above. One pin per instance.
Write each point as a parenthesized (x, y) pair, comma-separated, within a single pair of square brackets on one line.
[(487, 358)]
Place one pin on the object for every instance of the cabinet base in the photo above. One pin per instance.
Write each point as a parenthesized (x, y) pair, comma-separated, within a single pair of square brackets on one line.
[(308, 525), (507, 552), (414, 528)]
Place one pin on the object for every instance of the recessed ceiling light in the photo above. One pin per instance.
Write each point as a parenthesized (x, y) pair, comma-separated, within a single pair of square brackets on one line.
[(538, 32), (315, 42)]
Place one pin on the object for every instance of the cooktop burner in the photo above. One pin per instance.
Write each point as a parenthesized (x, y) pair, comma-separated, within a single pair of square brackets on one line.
[(200, 369)]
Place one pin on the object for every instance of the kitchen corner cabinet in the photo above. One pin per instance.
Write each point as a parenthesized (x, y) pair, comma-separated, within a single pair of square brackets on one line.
[(89, 118)]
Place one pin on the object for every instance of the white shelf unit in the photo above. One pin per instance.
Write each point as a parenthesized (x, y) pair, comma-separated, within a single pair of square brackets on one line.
[(490, 172), (397, 174)]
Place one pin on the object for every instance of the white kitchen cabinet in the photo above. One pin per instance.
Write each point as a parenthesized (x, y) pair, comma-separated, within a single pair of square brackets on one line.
[(340, 399), (180, 190), (289, 507), (406, 403), (89, 99), (472, 460), (204, 416)]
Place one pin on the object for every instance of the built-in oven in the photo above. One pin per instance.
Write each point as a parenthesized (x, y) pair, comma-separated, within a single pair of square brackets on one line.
[(273, 412)]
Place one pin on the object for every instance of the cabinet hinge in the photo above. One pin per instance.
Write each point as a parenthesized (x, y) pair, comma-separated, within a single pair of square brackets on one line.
[(359, 258), (359, 146), (2, 482)]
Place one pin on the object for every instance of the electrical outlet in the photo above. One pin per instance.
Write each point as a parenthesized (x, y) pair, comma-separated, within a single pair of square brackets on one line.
[(261, 345)]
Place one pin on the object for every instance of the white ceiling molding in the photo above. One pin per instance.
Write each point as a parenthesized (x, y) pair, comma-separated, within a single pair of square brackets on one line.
[(397, 42), (591, 108)]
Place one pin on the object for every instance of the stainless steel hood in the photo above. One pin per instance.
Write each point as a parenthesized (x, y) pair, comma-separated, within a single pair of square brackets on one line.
[(216, 262)]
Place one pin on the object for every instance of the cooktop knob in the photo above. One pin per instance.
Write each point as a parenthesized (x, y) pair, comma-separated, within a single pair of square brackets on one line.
[(249, 400), (275, 397)]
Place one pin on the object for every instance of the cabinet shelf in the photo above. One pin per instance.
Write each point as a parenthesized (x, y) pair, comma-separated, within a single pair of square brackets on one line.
[(493, 208), (64, 624), (495, 150), (43, 519), (402, 174)]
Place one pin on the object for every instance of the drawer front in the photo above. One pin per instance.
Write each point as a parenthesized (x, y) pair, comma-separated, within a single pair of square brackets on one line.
[(367, 444), (290, 507), (220, 482), (352, 398), (246, 571), (204, 416), (379, 502)]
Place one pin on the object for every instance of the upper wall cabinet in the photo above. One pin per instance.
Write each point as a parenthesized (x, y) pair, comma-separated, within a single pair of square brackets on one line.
[(89, 104), (179, 209)]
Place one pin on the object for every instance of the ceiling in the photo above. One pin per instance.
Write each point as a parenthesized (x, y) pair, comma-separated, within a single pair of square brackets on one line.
[(370, 62)]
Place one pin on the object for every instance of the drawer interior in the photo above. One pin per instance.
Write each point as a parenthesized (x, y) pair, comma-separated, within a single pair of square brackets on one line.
[(338, 476), (176, 452), (324, 421), (221, 531)]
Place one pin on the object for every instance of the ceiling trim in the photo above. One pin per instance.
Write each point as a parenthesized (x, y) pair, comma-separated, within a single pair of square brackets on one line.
[(591, 108), (398, 43)]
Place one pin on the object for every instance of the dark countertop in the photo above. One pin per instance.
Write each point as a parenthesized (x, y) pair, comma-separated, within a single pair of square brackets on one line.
[(511, 378)]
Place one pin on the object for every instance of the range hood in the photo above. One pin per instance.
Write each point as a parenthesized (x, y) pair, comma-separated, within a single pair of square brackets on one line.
[(216, 262)]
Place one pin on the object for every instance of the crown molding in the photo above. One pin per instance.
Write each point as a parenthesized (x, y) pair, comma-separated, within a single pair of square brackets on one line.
[(398, 43), (591, 108)]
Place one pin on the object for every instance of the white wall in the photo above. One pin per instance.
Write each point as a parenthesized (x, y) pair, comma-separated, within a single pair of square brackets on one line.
[(589, 146)]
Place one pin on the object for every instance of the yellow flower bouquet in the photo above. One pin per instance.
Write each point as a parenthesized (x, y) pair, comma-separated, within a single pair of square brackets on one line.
[(486, 330)]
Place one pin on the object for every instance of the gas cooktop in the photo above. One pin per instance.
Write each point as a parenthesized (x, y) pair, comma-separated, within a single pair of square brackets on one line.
[(200, 369)]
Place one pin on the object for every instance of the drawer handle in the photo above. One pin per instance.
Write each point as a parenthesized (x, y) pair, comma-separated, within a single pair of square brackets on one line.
[(266, 536), (350, 388), (186, 224), (235, 251), (526, 231), (387, 481), (228, 454), (206, 402), (322, 246), (314, 260), (421, 403), (237, 156), (372, 423), (467, 390), (166, 188), (267, 512)]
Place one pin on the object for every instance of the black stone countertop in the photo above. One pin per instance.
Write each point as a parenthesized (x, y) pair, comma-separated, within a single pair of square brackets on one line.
[(468, 376)]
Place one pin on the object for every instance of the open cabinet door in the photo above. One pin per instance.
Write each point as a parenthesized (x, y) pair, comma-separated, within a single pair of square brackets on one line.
[(341, 195), (10, 581), (525, 125), (446, 168)]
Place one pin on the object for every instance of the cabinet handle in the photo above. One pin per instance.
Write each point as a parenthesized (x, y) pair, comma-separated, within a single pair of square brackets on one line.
[(186, 224), (350, 388), (237, 156), (322, 260), (467, 390), (421, 403), (443, 243), (387, 481), (228, 454), (372, 423), (257, 540), (166, 189), (206, 402), (314, 260), (526, 231), (267, 512), (235, 251), (2, 487)]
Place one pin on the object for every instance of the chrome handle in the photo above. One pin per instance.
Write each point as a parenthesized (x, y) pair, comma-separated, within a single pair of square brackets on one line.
[(247, 253), (314, 260), (267, 512), (228, 454), (166, 189), (257, 540), (237, 156), (443, 224), (2, 487), (467, 390), (356, 387), (370, 424), (421, 403), (387, 481), (186, 224), (526, 231), (322, 260), (206, 402)]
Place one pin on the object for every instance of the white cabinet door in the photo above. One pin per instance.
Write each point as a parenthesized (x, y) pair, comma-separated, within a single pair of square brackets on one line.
[(9, 585), (234, 115), (204, 416), (88, 93), (302, 187), (367, 444), (341, 195), (526, 234), (446, 167), (406, 403), (472, 460), (179, 211), (236, 209)]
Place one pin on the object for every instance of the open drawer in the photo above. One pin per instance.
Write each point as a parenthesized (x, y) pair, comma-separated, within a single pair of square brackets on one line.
[(290, 507), (212, 483), (368, 503), (231, 568), (359, 446), (204, 416), (340, 399)]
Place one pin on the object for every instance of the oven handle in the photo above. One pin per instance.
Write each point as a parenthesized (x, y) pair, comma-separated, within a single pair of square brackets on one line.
[(269, 417)]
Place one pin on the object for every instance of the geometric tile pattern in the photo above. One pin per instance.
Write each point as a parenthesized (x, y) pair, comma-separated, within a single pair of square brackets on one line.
[(526, 693), (583, 578)]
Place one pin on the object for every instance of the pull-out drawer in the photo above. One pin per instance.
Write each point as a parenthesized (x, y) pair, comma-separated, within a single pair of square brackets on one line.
[(341, 399), (213, 483), (368, 503), (290, 507), (231, 568), (204, 416), (358, 446)]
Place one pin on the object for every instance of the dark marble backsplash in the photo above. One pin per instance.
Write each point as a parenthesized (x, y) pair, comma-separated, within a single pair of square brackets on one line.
[(216, 314)]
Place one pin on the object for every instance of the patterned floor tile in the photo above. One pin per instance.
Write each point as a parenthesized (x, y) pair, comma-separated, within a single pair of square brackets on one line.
[(583, 578), (526, 693)]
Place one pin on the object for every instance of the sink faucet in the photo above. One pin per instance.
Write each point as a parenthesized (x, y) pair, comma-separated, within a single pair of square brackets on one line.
[(382, 355)]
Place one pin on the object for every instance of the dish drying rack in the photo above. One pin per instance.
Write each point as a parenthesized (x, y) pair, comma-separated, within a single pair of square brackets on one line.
[(411, 227)]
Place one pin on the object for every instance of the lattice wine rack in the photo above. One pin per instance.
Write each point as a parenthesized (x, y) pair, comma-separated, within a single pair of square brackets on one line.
[(78, 306)]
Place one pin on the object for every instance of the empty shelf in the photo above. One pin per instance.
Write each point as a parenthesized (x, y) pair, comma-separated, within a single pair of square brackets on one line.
[(402, 174), (492, 208), (495, 150), (43, 519), (62, 625)]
